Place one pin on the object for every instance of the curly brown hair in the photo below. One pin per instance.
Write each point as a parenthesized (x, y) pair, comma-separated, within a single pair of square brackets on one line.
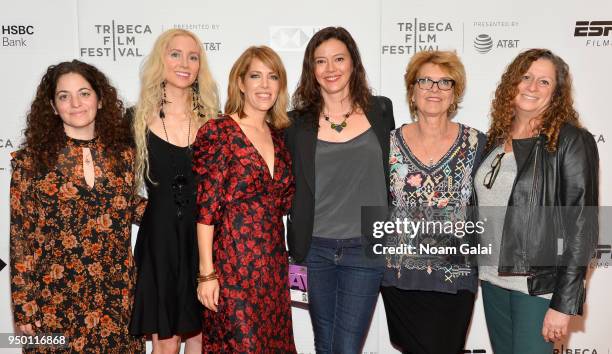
[(307, 96), (44, 133), (561, 109)]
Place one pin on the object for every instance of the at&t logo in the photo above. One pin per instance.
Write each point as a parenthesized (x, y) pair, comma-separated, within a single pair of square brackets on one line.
[(483, 43)]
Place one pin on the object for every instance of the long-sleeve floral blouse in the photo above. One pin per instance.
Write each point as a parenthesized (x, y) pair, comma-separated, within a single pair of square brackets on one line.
[(71, 261)]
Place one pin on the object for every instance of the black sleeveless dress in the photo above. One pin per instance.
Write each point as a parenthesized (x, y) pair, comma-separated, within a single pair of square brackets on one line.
[(166, 251)]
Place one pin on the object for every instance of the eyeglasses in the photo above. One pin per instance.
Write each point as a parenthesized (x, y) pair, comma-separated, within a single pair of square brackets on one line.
[(178, 183), (426, 83), (490, 177)]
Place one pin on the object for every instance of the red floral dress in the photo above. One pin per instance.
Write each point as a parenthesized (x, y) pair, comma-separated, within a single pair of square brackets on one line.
[(237, 194), (71, 260)]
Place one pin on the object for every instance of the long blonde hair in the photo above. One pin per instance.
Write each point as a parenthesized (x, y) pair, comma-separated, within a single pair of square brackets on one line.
[(277, 115), (147, 108)]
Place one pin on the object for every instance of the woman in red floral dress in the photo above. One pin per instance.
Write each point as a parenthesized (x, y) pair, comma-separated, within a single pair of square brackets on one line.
[(245, 187)]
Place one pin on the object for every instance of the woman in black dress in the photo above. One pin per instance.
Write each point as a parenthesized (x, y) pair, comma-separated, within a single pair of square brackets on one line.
[(177, 96)]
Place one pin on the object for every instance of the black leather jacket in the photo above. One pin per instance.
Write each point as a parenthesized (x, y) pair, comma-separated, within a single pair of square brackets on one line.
[(551, 225)]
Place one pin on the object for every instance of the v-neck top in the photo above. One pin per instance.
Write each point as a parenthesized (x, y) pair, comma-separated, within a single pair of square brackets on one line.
[(237, 194), (257, 152), (431, 190), (348, 175)]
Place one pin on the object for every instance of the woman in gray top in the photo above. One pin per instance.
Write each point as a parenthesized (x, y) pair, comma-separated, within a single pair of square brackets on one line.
[(339, 142), (543, 166)]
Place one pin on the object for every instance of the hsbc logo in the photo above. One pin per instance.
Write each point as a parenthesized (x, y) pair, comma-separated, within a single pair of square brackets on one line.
[(8, 35), (291, 38)]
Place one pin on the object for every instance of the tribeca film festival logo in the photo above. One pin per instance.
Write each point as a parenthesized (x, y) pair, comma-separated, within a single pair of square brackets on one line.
[(6, 143), (564, 350), (418, 36), (291, 38), (198, 27), (486, 42), (16, 35), (117, 40), (597, 33)]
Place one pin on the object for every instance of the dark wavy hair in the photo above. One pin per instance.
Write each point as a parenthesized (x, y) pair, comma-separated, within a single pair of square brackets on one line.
[(307, 96), (560, 110), (44, 133)]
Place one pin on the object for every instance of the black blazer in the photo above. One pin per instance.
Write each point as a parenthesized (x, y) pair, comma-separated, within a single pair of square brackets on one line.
[(301, 140)]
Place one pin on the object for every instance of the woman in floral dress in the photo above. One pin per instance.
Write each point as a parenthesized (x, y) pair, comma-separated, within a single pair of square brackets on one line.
[(72, 206), (245, 186)]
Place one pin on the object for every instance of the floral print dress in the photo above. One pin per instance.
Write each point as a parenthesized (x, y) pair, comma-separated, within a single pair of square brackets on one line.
[(71, 261), (237, 194)]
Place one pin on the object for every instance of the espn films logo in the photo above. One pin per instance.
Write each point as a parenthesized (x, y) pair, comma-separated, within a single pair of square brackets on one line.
[(592, 30), (9, 33), (603, 257)]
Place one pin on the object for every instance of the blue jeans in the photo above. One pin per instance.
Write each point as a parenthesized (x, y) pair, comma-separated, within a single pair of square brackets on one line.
[(343, 290)]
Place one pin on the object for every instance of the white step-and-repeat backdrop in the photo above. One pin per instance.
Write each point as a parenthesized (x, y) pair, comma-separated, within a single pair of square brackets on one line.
[(115, 36)]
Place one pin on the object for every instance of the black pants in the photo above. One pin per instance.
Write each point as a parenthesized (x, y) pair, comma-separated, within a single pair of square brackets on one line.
[(428, 322)]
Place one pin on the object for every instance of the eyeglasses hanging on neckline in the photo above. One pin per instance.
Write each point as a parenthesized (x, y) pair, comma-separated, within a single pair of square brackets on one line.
[(490, 177)]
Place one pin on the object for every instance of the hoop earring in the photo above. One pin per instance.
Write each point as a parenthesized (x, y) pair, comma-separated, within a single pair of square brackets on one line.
[(452, 108)]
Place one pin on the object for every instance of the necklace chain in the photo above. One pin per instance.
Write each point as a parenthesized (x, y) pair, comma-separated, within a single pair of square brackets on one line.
[(188, 131)]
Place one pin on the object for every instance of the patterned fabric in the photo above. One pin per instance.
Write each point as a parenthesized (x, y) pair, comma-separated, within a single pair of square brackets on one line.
[(436, 192), (71, 259), (237, 194)]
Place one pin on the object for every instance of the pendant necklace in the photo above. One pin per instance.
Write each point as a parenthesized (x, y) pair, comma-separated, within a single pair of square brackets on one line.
[(338, 127), (180, 180)]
